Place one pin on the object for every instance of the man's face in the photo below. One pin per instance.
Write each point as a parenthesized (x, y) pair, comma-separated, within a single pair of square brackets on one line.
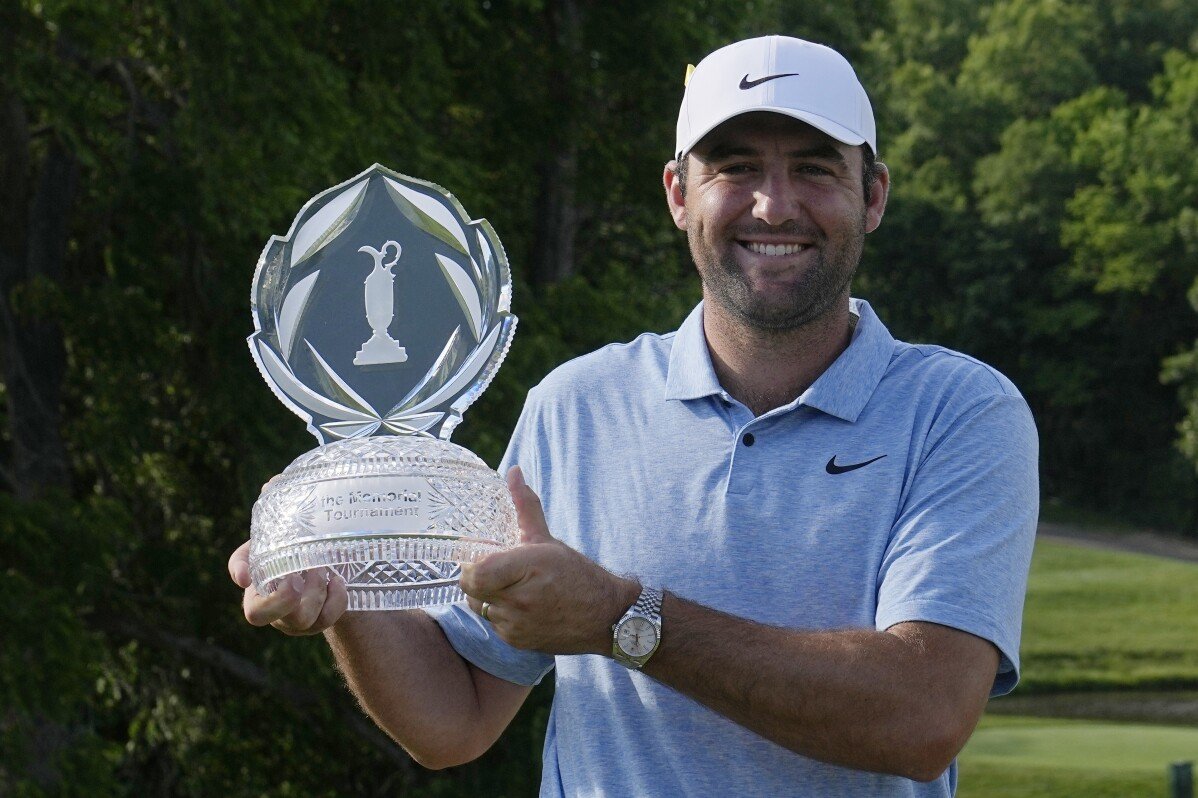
[(775, 215)]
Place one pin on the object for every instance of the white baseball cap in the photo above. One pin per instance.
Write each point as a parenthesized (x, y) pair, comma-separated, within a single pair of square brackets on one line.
[(804, 80)]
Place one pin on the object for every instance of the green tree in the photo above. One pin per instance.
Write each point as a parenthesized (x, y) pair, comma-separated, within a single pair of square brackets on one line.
[(1042, 219), (994, 159), (148, 150)]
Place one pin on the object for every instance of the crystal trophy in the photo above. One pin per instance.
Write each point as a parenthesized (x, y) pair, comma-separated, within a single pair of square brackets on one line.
[(379, 318)]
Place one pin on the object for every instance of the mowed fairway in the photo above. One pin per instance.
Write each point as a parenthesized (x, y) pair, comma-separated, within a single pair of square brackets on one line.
[(1085, 745), (1108, 620), (1066, 758), (1095, 620)]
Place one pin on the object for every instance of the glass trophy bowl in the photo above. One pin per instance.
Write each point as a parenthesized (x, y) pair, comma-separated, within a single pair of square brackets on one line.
[(378, 319), (394, 515)]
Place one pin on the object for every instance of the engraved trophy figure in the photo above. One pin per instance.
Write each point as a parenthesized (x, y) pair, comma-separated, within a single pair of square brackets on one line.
[(386, 500), (380, 310)]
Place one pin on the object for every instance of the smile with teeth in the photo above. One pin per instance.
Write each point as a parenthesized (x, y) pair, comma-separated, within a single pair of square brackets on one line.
[(773, 249)]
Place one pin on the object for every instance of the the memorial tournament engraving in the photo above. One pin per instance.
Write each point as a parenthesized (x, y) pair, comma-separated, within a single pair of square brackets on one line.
[(379, 318)]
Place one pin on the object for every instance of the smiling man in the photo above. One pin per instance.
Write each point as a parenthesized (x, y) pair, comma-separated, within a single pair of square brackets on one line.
[(777, 552), (742, 244)]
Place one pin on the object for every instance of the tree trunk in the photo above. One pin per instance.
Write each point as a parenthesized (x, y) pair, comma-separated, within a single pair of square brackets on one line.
[(557, 216), (33, 244), (557, 203)]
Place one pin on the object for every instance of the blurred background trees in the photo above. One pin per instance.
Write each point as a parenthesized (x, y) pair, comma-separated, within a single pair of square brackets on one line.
[(1043, 218)]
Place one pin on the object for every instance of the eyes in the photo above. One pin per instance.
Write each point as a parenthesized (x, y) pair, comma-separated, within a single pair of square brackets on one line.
[(741, 169)]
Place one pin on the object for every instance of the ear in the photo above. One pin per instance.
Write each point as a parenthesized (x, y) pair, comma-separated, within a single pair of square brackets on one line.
[(877, 199), (674, 197)]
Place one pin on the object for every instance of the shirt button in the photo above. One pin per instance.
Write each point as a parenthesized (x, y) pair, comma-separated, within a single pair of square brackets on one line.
[(748, 439)]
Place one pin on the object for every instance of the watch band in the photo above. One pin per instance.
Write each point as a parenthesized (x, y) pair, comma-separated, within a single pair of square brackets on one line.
[(648, 604), (648, 607)]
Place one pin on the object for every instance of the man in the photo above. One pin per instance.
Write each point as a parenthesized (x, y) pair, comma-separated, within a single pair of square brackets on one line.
[(780, 553)]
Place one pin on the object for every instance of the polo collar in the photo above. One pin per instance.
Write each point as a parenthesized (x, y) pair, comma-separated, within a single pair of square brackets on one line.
[(842, 391), (691, 375), (847, 385)]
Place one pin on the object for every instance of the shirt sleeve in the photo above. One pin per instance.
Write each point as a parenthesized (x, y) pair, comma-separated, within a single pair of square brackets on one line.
[(472, 637), (960, 549)]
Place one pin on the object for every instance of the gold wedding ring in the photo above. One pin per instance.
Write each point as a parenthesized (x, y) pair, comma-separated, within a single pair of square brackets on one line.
[(484, 610)]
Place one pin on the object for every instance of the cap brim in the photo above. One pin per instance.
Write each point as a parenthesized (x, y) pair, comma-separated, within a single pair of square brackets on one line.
[(821, 123)]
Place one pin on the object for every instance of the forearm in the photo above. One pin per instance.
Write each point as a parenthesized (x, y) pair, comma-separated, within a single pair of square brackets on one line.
[(901, 701), (400, 666), (859, 698), (413, 684)]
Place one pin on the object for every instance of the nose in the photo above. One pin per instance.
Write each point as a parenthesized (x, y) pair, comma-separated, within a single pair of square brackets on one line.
[(776, 200)]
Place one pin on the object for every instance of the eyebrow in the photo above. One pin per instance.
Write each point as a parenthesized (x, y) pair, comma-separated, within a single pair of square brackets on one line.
[(824, 150)]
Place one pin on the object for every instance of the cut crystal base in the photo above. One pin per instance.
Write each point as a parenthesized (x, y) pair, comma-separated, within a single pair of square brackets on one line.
[(395, 516)]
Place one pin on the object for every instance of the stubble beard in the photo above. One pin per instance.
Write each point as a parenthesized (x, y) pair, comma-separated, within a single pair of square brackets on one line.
[(820, 286)]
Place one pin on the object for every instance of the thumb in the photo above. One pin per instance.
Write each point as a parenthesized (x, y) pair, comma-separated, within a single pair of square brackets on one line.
[(530, 516)]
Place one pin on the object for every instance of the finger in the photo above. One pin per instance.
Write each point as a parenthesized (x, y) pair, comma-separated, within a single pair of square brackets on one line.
[(485, 580), (335, 604), (468, 582), (476, 606), (529, 513), (311, 602), (239, 565), (264, 610)]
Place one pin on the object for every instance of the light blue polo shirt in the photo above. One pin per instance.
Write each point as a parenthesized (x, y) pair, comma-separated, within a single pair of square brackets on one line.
[(901, 486)]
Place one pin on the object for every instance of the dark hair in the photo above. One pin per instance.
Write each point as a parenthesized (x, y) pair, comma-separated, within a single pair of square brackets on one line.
[(870, 169)]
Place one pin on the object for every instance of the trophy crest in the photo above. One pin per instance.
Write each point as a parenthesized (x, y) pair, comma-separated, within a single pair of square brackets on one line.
[(384, 310), (378, 319)]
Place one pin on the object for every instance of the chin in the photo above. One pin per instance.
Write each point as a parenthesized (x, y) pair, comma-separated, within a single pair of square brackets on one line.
[(782, 314)]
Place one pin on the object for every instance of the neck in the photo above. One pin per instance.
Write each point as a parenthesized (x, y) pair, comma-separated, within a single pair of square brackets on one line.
[(765, 369)]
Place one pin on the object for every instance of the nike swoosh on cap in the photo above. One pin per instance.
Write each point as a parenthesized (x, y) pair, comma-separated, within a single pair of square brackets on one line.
[(833, 468), (745, 83)]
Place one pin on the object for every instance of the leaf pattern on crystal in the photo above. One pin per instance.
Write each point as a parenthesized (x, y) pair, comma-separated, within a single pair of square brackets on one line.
[(327, 393)]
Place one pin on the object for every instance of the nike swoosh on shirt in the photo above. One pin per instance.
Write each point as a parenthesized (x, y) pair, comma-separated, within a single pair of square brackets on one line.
[(745, 83), (833, 468)]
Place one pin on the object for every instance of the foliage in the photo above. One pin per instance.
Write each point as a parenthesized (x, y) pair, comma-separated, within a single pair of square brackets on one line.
[(1042, 219), (1049, 202)]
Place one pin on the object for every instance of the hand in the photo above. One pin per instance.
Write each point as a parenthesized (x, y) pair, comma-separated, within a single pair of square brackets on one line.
[(304, 603), (544, 595)]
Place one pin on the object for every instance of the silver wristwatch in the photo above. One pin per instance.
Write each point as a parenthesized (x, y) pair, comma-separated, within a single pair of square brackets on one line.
[(638, 633)]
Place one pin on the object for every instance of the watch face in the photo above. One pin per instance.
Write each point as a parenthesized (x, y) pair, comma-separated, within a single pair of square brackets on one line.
[(636, 637)]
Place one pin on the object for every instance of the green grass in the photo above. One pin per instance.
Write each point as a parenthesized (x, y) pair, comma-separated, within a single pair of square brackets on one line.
[(1108, 620), (1081, 745), (1094, 620), (985, 780), (1063, 758)]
